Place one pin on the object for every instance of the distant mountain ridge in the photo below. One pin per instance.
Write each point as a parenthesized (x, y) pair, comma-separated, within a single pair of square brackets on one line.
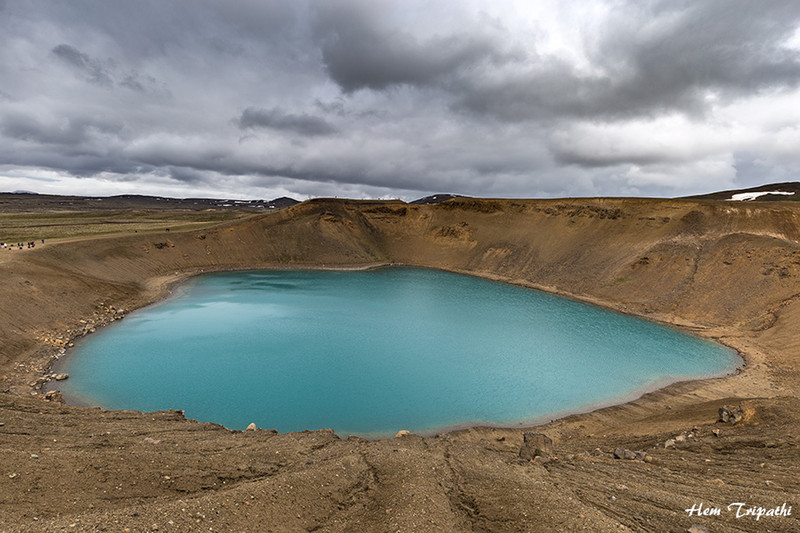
[(17, 201), (435, 199), (760, 193)]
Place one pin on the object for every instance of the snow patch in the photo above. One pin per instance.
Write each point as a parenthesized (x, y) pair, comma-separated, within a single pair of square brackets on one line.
[(746, 196)]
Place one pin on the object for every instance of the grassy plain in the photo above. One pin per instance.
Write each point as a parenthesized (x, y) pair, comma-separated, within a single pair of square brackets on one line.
[(34, 226)]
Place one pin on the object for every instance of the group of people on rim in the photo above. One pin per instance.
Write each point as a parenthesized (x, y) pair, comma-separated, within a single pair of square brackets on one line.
[(19, 245)]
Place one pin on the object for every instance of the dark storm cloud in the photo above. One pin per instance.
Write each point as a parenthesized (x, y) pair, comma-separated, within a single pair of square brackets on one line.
[(361, 51), (83, 64), (652, 58), (187, 175), (588, 158), (102, 73), (67, 131), (279, 120)]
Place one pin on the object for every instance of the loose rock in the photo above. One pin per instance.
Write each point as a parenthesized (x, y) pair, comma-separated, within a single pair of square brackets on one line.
[(54, 396), (731, 414), (402, 433), (251, 427), (535, 444), (623, 453)]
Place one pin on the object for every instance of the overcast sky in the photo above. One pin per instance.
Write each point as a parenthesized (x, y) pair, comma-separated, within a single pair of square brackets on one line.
[(401, 98)]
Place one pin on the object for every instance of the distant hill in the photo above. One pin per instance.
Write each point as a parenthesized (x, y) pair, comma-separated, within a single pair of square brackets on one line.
[(435, 199), (762, 193), (25, 201)]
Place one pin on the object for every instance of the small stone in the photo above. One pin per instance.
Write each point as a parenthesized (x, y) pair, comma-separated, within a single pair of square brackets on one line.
[(680, 438), (34, 456), (697, 528), (61, 377), (648, 459), (715, 431), (13, 475), (402, 433), (669, 443), (251, 427), (150, 440)]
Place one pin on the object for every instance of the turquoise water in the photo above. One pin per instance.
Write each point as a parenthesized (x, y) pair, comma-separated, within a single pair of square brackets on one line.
[(373, 352)]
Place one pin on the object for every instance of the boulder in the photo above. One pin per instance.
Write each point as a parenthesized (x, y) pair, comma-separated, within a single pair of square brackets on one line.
[(731, 414), (54, 396), (534, 445), (629, 455), (624, 453)]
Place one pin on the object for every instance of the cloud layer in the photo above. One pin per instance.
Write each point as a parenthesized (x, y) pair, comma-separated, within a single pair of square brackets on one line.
[(371, 99)]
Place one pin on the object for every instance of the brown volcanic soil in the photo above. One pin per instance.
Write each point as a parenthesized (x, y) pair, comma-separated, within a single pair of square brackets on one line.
[(722, 270)]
